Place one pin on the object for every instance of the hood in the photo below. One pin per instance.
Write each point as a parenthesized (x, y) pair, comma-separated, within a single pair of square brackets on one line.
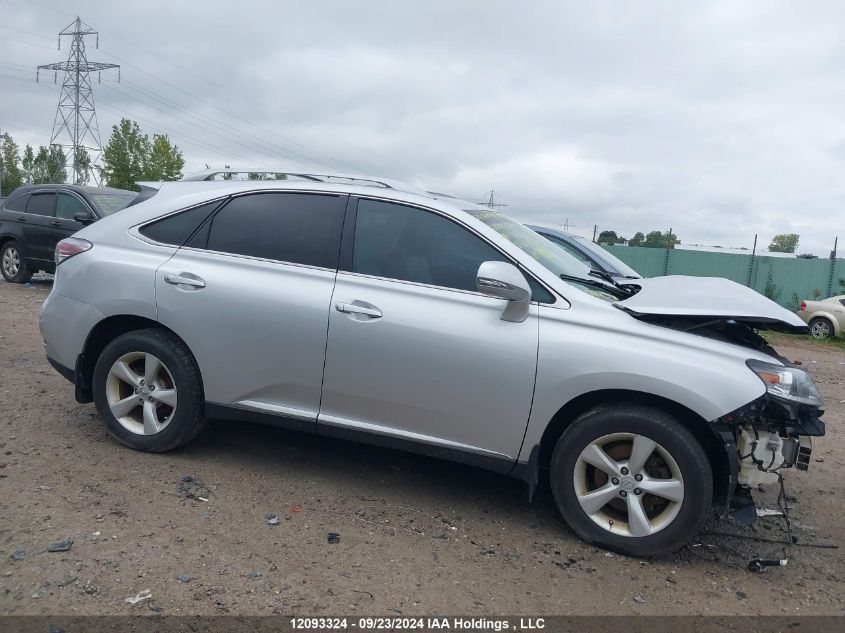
[(708, 299)]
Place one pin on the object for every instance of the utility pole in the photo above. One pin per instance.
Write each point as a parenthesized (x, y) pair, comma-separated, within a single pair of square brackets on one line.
[(490, 201), (75, 125)]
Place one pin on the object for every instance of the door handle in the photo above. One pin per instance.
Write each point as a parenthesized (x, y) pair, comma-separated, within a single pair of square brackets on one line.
[(21, 219), (352, 308), (178, 280), (55, 223)]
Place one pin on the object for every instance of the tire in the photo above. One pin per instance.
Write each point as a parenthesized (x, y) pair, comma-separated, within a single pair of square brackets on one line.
[(155, 367), (666, 524), (13, 266), (821, 327)]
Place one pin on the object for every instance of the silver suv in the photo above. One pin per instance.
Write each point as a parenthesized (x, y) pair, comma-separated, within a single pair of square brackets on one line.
[(368, 310)]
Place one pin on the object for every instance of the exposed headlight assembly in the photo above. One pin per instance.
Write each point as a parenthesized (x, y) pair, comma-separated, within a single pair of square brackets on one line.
[(787, 383)]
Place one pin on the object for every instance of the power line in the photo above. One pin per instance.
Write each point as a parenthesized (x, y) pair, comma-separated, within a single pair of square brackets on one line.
[(232, 138), (238, 94), (225, 132), (235, 116)]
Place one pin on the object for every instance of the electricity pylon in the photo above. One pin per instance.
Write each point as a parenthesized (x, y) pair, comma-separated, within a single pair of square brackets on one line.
[(75, 126)]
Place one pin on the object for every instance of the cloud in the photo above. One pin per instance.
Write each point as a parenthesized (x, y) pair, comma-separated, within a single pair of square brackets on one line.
[(719, 119)]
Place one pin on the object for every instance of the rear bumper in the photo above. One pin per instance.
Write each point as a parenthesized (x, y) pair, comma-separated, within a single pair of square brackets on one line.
[(66, 372), (65, 324)]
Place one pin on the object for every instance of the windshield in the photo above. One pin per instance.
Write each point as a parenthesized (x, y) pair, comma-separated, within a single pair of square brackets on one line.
[(108, 203), (607, 259), (538, 247)]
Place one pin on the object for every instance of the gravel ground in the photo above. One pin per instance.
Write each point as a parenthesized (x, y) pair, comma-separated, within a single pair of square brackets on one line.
[(416, 535)]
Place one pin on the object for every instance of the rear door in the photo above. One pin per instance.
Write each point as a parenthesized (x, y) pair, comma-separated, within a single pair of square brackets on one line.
[(250, 294)]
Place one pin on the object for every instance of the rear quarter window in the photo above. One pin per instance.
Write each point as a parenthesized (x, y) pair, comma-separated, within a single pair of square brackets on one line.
[(17, 203), (176, 229)]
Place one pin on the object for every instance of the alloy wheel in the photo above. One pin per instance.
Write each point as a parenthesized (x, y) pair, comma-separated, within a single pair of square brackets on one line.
[(11, 261), (820, 329), (628, 484), (141, 393)]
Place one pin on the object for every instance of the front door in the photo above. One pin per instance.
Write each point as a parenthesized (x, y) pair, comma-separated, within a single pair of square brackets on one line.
[(415, 352), (250, 296), (68, 205), (40, 229)]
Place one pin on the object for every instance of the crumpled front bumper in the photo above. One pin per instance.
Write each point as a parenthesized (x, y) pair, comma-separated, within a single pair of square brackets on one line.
[(768, 436)]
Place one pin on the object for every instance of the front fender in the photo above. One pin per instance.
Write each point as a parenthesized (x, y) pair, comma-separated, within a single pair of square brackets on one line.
[(575, 358)]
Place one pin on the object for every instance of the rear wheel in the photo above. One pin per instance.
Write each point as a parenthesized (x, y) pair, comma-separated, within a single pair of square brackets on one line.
[(12, 264), (821, 328), (147, 390), (631, 479)]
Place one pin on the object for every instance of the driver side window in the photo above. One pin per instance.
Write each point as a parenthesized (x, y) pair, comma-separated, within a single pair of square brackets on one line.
[(409, 244)]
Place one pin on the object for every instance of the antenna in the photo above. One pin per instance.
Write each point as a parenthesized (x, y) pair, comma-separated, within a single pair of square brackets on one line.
[(75, 125)]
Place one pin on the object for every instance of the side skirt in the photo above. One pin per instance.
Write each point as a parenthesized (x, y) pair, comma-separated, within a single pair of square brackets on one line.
[(214, 411)]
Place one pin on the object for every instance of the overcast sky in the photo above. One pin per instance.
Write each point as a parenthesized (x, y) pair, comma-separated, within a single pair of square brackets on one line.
[(719, 119)]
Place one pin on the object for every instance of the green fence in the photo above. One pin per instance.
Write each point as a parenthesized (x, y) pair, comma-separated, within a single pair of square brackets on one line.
[(787, 280)]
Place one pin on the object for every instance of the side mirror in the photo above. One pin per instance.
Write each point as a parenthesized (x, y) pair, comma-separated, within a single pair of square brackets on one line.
[(83, 217), (503, 280)]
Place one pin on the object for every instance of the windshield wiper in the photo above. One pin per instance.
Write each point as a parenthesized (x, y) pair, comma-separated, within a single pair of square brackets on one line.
[(593, 283), (601, 274)]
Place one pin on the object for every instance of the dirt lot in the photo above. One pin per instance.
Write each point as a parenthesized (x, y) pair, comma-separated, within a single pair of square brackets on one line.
[(417, 535)]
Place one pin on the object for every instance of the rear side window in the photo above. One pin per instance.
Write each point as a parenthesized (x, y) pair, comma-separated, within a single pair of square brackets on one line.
[(41, 204), (287, 227), (18, 204), (176, 229)]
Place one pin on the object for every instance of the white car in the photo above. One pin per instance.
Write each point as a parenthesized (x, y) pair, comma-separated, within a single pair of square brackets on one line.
[(826, 318)]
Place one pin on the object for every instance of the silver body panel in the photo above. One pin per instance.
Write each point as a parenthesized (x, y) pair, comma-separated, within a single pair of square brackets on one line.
[(257, 329), (437, 366), (427, 368)]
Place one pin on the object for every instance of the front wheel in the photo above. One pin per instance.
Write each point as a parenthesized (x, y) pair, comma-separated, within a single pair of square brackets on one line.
[(148, 391), (631, 479)]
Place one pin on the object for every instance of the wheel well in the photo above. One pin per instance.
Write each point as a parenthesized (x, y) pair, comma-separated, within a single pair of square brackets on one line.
[(694, 423), (104, 333)]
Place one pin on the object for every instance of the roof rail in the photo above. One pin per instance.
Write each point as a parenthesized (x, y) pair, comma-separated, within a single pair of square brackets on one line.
[(252, 174)]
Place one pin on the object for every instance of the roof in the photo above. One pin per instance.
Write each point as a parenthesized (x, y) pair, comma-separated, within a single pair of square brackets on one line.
[(79, 188), (211, 175)]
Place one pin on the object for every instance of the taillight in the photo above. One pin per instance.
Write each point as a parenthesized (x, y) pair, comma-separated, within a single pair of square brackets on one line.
[(70, 247), (803, 306)]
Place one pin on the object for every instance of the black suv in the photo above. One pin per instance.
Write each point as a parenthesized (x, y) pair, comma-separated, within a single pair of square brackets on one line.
[(36, 217)]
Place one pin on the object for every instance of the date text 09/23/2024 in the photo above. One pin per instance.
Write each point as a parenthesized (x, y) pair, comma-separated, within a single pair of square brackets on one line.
[(416, 623)]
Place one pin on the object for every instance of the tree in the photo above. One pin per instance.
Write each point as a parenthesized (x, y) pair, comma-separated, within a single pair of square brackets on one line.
[(49, 165), (165, 161), (784, 243), (125, 156), (608, 237), (82, 166), (28, 164), (12, 177), (637, 240), (656, 239), (129, 157)]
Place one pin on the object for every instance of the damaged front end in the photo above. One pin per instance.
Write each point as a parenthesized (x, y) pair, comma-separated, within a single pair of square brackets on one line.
[(773, 432)]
